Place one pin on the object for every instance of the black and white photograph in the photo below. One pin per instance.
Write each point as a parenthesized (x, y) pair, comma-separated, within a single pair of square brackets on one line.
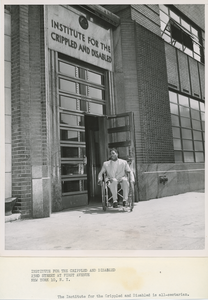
[(104, 122), (104, 136)]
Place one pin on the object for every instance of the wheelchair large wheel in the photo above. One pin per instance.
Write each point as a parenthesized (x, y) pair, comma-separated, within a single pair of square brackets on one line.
[(131, 200), (103, 196)]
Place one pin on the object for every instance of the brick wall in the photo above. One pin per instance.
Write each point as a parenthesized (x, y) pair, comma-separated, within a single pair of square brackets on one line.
[(124, 12), (130, 84), (117, 9), (153, 97), (21, 160), (7, 102), (141, 87), (35, 87), (29, 134), (147, 16)]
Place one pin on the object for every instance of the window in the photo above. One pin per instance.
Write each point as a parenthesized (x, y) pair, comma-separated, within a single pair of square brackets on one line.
[(78, 80), (81, 88), (181, 34), (187, 117), (72, 135)]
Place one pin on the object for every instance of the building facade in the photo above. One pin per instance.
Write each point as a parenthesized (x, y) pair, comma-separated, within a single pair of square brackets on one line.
[(81, 79)]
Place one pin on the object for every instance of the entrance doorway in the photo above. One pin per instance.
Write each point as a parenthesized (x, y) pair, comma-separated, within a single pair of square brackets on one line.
[(103, 133)]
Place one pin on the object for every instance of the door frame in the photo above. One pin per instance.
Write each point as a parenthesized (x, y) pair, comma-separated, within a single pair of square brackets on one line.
[(100, 122), (131, 143), (104, 131)]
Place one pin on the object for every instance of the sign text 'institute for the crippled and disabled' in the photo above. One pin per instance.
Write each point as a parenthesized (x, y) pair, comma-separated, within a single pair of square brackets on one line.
[(67, 36)]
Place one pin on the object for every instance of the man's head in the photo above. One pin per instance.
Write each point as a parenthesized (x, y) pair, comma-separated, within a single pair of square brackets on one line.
[(114, 154)]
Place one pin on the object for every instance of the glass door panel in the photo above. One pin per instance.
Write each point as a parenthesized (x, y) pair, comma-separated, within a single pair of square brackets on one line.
[(73, 168), (72, 135), (72, 152), (81, 90)]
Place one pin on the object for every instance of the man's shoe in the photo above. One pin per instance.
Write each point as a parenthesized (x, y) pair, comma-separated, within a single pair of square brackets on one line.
[(124, 203), (115, 204)]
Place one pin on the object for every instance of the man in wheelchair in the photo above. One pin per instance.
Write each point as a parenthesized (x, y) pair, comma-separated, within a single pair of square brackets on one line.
[(117, 171)]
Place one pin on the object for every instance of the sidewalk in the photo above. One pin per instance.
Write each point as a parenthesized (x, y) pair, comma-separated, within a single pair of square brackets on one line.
[(169, 223)]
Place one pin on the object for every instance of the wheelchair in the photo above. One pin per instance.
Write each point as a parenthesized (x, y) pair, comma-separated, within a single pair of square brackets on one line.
[(107, 198)]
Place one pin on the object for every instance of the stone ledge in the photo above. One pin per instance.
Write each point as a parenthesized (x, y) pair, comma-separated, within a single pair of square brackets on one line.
[(12, 218)]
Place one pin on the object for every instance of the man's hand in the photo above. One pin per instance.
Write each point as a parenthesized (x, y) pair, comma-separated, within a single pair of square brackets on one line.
[(132, 184), (99, 182)]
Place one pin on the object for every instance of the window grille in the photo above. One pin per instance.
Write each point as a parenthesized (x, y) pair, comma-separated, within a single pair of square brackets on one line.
[(188, 128), (181, 34)]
